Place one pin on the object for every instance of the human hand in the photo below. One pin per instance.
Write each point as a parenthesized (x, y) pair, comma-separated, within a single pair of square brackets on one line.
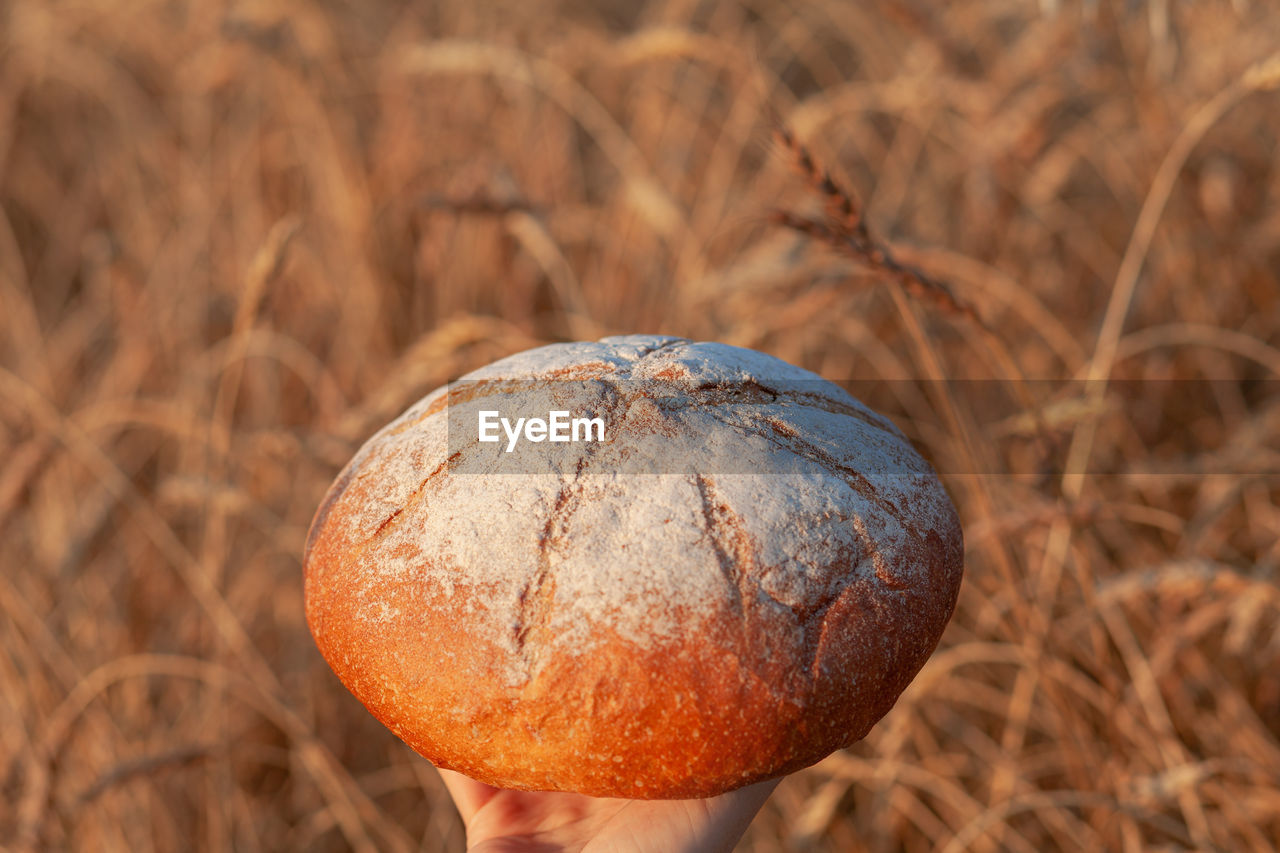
[(502, 821)]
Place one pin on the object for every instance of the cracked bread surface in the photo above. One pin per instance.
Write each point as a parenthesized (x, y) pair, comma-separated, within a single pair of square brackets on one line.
[(645, 635)]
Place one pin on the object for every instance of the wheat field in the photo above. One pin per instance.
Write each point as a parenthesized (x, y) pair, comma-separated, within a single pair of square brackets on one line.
[(237, 238)]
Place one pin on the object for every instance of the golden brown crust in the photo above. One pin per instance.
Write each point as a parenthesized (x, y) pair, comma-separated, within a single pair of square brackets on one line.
[(754, 683)]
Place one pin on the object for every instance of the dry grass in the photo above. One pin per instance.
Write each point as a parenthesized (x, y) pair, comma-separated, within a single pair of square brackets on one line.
[(236, 238)]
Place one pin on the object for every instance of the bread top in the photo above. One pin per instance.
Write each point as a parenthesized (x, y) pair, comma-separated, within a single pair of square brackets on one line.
[(793, 554)]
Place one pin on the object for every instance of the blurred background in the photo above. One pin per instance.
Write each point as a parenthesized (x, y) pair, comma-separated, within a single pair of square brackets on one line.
[(237, 238)]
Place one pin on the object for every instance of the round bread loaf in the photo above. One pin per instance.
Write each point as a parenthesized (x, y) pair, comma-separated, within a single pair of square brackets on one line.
[(739, 580)]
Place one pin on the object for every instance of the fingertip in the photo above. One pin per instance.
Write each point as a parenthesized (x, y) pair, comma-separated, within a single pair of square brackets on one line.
[(468, 794)]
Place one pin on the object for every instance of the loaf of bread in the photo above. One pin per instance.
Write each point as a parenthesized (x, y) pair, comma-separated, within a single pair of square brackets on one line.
[(741, 578)]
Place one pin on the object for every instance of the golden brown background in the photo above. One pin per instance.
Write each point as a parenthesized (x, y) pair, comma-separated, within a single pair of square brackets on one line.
[(236, 238)]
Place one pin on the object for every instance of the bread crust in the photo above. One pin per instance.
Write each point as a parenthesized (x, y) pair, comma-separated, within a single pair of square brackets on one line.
[(648, 636)]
